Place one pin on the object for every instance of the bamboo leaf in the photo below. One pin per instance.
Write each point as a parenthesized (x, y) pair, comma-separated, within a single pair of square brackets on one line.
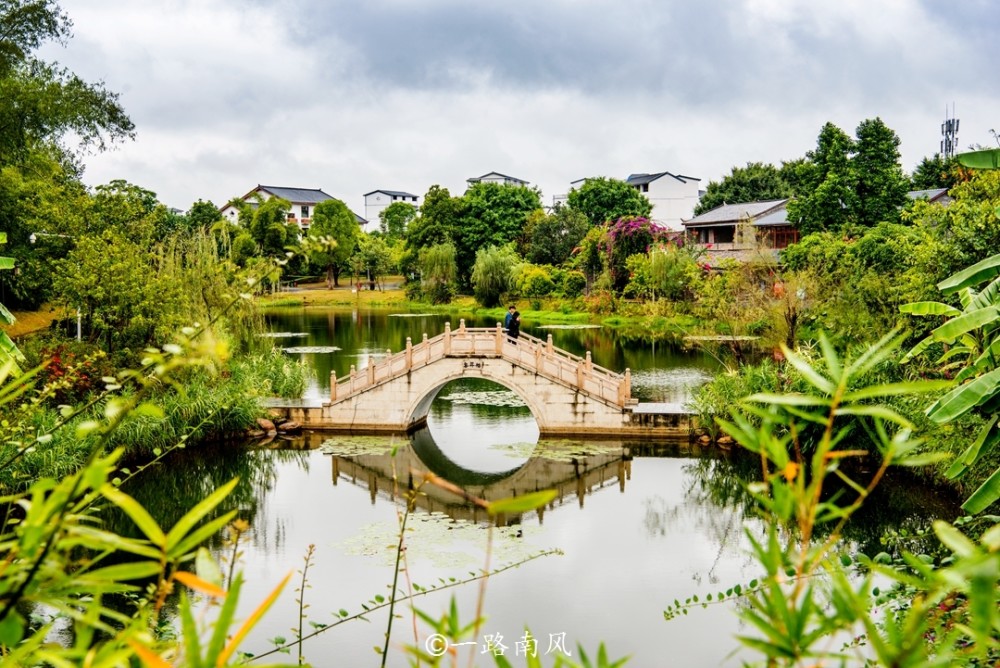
[(192, 581), (149, 658), (196, 514), (251, 621), (897, 389), (131, 571), (954, 539), (877, 411), (521, 504), (813, 377), (136, 513), (788, 399)]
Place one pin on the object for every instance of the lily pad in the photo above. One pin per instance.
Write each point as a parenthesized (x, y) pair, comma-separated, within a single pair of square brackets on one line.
[(559, 450), (446, 542), (353, 446), (311, 349), (504, 398), (410, 315), (283, 335)]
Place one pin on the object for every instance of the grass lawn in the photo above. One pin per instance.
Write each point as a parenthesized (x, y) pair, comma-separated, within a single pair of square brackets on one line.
[(32, 321)]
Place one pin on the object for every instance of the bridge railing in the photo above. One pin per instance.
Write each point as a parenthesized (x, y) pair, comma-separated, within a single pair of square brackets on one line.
[(527, 351)]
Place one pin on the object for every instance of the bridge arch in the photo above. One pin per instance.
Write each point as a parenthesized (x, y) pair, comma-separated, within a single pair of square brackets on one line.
[(416, 413)]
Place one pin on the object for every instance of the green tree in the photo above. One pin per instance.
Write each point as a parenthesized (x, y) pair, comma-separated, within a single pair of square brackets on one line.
[(333, 220), (108, 277), (268, 225), (394, 219), (495, 215), (203, 215), (754, 183), (936, 171), (603, 199), (41, 102), (373, 259), (493, 274), (826, 179), (881, 185), (440, 215), (552, 237)]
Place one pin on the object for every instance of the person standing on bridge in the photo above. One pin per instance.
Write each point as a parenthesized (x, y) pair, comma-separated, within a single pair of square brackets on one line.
[(510, 314), (514, 326)]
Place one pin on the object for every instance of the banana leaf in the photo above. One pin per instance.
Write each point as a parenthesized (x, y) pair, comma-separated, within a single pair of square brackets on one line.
[(929, 308), (965, 397), (974, 275), (965, 323), (986, 159)]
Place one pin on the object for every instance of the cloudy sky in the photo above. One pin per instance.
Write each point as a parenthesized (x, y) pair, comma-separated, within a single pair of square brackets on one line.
[(353, 96)]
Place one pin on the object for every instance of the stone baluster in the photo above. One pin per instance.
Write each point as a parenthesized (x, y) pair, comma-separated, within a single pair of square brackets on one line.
[(590, 364), (579, 375), (427, 350), (548, 345), (388, 363), (333, 386), (499, 337), (538, 358), (371, 370), (447, 337), (354, 372), (409, 354), (461, 326), (628, 384)]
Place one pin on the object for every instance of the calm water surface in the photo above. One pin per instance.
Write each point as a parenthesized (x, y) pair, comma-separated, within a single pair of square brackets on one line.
[(634, 525)]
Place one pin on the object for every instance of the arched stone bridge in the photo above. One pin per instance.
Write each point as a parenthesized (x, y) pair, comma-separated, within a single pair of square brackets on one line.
[(567, 394)]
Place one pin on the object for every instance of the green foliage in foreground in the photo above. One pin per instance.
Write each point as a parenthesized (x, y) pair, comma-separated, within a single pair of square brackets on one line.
[(815, 603)]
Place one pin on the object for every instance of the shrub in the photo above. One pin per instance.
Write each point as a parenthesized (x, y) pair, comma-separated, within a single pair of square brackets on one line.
[(573, 283)]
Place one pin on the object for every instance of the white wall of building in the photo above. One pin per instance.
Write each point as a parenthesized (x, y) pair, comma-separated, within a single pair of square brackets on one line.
[(673, 200)]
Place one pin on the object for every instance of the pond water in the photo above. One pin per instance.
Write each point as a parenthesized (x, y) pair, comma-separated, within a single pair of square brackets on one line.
[(635, 525)]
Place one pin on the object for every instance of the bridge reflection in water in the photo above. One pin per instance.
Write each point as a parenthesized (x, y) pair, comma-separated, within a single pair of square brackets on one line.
[(573, 469)]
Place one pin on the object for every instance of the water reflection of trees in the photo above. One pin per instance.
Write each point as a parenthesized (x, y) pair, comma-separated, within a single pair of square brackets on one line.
[(899, 503), (171, 488)]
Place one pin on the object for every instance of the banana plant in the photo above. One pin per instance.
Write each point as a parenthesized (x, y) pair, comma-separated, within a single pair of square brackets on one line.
[(972, 347), (972, 335)]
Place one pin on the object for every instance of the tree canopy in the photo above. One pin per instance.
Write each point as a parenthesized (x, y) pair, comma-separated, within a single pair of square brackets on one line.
[(495, 215), (603, 199), (754, 183), (42, 102), (332, 219)]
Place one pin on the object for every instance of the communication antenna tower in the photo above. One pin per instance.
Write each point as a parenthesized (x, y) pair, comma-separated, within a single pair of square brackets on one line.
[(949, 132)]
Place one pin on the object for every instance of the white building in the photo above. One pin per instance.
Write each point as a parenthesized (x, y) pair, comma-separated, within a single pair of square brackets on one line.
[(673, 196), (377, 200), (303, 201), (497, 177)]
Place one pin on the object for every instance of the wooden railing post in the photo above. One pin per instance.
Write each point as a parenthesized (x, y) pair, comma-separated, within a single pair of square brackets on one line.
[(548, 344), (409, 354), (447, 337), (499, 337), (333, 386)]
